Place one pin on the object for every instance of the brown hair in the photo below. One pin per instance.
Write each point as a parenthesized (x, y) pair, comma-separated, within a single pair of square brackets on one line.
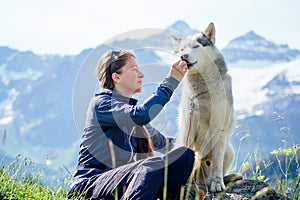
[(144, 143), (111, 62)]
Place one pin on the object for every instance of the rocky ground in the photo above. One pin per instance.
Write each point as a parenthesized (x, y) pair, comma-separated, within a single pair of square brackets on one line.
[(238, 189)]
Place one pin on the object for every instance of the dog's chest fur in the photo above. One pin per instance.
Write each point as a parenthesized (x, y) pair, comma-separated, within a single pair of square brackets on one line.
[(208, 100), (196, 83)]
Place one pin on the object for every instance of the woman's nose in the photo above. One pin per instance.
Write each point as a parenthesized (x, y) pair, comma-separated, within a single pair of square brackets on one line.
[(141, 74)]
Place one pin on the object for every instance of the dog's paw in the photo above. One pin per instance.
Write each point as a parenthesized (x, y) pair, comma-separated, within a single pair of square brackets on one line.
[(217, 184)]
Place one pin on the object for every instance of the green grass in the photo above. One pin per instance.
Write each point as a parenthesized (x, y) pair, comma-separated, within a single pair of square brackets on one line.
[(18, 181)]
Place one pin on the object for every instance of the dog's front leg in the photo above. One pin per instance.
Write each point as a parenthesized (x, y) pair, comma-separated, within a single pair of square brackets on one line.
[(218, 151)]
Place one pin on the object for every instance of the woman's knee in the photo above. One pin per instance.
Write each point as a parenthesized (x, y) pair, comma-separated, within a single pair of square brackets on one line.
[(182, 157), (187, 151), (184, 153), (188, 155)]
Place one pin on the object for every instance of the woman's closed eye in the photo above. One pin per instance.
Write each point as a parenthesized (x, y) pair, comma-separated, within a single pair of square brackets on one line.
[(136, 69)]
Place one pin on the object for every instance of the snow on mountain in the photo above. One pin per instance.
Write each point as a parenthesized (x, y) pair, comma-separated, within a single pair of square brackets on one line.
[(252, 47), (252, 86), (36, 101), (8, 75), (182, 28), (267, 107), (6, 107)]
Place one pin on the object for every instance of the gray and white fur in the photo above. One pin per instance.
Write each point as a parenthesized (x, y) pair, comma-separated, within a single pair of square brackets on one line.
[(206, 108)]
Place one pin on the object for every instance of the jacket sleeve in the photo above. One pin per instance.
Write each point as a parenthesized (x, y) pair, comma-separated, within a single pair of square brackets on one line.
[(111, 112)]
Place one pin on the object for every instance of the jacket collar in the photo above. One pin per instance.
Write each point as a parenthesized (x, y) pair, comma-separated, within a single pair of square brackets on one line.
[(117, 96)]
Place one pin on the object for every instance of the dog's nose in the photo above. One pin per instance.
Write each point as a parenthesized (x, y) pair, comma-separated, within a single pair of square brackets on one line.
[(185, 57)]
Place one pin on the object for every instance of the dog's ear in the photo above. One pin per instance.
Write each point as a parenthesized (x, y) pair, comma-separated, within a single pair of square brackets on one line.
[(210, 32), (175, 42)]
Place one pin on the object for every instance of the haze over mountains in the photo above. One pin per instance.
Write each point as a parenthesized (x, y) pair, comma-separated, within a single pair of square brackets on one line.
[(36, 95)]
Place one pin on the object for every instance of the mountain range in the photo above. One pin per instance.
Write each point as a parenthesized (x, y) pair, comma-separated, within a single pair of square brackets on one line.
[(43, 98)]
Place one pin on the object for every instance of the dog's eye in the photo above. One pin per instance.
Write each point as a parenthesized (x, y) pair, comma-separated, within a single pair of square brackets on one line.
[(196, 46)]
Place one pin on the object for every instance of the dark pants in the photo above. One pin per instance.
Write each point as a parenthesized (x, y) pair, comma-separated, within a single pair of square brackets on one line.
[(143, 179)]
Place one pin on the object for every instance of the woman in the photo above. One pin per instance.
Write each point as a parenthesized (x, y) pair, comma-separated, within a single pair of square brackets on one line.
[(116, 152)]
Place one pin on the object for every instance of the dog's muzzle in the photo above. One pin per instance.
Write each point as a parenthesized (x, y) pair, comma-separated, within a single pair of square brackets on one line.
[(185, 57)]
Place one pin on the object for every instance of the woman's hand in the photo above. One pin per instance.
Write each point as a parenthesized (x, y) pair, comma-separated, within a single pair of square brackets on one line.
[(178, 70)]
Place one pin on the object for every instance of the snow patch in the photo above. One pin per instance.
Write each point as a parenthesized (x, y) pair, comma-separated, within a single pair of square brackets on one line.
[(6, 120), (7, 108), (27, 126), (7, 76), (248, 82)]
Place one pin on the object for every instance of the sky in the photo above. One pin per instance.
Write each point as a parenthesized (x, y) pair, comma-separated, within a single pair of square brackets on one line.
[(67, 27)]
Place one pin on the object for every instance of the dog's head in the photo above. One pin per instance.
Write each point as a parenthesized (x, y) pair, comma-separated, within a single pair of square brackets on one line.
[(193, 49)]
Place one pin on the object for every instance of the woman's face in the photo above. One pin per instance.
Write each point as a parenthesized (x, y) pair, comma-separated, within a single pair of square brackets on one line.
[(130, 79)]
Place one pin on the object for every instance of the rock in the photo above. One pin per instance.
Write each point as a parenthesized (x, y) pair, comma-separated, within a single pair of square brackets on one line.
[(238, 190)]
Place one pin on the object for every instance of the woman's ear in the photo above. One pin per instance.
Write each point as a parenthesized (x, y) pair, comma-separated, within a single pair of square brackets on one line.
[(115, 77)]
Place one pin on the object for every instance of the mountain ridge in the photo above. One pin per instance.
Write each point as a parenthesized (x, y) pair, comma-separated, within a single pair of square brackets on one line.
[(251, 46)]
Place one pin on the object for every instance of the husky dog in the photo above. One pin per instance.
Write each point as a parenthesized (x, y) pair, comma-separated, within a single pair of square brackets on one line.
[(206, 107)]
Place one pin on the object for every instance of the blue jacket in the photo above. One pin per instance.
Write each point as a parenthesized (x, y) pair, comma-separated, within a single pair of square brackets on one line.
[(112, 117)]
